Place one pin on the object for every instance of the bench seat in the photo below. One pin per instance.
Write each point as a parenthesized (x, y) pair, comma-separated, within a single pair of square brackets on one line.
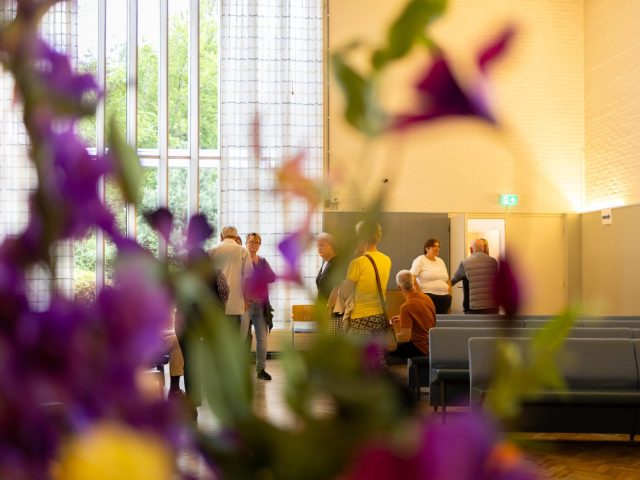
[(602, 391)]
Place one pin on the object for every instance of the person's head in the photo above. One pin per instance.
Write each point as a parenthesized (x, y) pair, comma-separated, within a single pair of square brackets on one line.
[(254, 240), (368, 232), (477, 246), (486, 245), (326, 246), (229, 232), (432, 247), (404, 280)]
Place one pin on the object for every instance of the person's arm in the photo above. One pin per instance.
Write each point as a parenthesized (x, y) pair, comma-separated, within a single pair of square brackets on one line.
[(459, 275), (353, 274), (415, 266), (403, 334)]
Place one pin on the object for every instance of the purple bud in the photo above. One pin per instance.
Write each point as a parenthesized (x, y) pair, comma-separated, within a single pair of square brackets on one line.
[(198, 231), (161, 220), (506, 289)]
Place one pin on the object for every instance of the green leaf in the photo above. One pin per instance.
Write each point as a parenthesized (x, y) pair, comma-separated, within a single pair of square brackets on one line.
[(355, 89), (408, 29), (552, 336), (127, 169), (220, 357)]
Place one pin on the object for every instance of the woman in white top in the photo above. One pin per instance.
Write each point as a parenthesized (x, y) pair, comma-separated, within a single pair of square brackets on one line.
[(432, 276)]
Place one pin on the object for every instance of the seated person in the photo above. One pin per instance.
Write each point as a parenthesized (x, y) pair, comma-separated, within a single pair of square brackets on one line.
[(417, 317)]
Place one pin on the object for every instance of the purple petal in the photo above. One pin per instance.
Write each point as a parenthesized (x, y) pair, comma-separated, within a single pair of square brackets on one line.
[(292, 248), (441, 95), (135, 311), (495, 49), (198, 231), (457, 450), (58, 75), (161, 221)]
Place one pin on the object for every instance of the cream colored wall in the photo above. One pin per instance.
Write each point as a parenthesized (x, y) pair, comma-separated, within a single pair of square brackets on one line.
[(611, 262), (536, 248), (463, 165), (612, 88)]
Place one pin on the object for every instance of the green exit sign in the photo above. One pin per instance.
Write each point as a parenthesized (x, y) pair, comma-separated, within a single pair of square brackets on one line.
[(508, 199)]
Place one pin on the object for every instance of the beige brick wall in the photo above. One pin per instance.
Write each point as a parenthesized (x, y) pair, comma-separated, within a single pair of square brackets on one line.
[(612, 89), (463, 165)]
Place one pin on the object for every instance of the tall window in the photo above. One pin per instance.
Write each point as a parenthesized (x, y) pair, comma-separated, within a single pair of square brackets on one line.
[(175, 69), (157, 31)]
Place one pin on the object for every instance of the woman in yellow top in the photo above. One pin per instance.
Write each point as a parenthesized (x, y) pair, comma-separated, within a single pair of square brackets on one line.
[(367, 317)]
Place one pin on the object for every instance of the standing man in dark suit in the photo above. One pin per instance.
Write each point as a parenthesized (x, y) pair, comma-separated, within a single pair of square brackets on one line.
[(329, 278)]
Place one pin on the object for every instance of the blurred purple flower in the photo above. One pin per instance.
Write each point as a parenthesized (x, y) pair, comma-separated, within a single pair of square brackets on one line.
[(292, 248), (135, 311), (468, 448), (58, 76), (440, 93), (506, 289), (198, 231), (161, 220), (373, 357)]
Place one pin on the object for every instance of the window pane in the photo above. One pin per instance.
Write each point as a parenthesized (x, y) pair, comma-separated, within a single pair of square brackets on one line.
[(84, 268), (209, 199), (87, 58), (209, 74), (116, 100), (148, 51), (116, 204), (178, 74), (178, 203), (147, 237)]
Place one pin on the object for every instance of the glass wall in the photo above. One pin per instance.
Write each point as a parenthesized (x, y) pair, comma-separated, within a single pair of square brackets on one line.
[(174, 162)]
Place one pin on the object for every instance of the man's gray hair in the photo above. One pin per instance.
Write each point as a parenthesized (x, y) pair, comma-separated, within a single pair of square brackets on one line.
[(404, 279), (229, 232)]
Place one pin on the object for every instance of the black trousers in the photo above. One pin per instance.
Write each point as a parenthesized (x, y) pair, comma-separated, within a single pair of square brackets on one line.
[(441, 302), (407, 350)]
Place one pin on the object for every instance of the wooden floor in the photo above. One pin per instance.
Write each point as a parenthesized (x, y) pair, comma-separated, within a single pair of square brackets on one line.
[(575, 457)]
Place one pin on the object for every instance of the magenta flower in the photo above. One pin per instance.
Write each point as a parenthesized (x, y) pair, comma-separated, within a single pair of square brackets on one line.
[(469, 448), (373, 357), (440, 94), (506, 289)]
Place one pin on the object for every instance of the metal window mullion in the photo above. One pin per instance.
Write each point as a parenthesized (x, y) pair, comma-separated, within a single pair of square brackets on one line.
[(163, 117), (101, 77), (194, 104), (132, 96)]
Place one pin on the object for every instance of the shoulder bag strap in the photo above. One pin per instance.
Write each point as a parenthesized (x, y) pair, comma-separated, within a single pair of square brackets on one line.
[(382, 301)]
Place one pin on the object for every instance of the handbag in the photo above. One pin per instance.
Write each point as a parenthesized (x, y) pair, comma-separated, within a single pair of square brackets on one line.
[(390, 340)]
